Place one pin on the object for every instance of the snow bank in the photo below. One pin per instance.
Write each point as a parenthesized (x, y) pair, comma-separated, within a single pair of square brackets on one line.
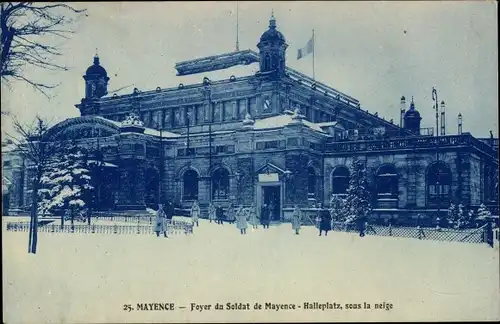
[(84, 278)]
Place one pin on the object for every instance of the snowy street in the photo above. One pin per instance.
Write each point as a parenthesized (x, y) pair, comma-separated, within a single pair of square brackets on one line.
[(89, 278)]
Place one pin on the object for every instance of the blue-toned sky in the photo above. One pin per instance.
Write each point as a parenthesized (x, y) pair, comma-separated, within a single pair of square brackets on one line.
[(373, 51)]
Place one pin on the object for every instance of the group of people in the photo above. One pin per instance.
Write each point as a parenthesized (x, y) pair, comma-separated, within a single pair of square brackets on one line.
[(243, 216)]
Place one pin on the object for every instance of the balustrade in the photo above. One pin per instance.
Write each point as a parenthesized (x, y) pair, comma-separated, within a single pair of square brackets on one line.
[(409, 143)]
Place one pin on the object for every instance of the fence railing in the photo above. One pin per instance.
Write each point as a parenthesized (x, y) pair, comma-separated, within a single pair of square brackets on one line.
[(173, 227), (410, 143), (474, 235)]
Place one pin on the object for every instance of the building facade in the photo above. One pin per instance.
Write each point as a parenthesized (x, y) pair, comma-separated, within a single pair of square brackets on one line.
[(271, 136)]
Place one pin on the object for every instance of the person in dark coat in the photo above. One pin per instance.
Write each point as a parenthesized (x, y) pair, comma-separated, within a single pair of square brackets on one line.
[(219, 212), (264, 216), (325, 222), (170, 210), (362, 225)]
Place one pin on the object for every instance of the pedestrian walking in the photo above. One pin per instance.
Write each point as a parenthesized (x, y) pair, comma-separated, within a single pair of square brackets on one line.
[(195, 213), (326, 222), (219, 213), (161, 219), (241, 220), (252, 216), (362, 225), (212, 213), (318, 216), (231, 214), (296, 219), (264, 216)]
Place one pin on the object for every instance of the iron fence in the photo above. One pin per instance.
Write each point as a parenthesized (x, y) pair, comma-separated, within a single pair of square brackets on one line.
[(474, 235), (173, 228)]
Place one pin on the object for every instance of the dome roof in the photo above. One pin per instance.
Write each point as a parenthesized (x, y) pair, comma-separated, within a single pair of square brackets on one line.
[(412, 112), (96, 68), (272, 34)]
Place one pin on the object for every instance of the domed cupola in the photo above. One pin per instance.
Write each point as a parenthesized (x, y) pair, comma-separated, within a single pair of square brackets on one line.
[(96, 80), (412, 119), (272, 47)]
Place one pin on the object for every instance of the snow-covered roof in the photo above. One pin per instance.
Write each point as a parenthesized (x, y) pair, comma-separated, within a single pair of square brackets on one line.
[(282, 121), (328, 124), (117, 123), (213, 133), (164, 134)]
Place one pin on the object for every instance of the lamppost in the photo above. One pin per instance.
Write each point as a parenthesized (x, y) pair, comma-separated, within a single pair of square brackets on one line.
[(238, 187), (459, 124), (436, 107), (162, 166)]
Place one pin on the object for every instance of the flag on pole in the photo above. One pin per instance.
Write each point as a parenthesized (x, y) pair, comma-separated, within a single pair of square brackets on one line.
[(309, 48)]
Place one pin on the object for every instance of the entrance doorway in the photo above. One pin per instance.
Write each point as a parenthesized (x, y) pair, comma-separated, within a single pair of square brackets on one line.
[(271, 196)]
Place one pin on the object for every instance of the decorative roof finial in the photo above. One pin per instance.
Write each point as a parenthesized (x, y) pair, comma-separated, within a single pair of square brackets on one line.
[(96, 57), (412, 104), (272, 20)]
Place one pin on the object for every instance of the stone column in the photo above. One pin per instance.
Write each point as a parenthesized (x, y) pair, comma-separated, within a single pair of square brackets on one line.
[(411, 181), (465, 181), (204, 189)]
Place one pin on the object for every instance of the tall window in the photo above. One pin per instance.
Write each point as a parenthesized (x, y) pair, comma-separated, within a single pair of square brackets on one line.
[(387, 182), (311, 183), (220, 184), (267, 62), (190, 181), (340, 180), (438, 184)]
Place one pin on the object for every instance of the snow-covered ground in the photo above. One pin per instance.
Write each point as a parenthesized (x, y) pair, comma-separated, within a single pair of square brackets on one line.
[(88, 278)]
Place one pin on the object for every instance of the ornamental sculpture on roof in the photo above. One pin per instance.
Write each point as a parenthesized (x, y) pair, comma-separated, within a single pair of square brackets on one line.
[(132, 120)]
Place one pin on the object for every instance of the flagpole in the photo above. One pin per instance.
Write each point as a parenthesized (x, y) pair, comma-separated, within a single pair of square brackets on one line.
[(314, 41), (237, 26)]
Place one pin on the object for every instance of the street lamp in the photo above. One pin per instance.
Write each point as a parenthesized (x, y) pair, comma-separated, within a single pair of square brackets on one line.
[(459, 124), (436, 106), (160, 129), (402, 111), (443, 119)]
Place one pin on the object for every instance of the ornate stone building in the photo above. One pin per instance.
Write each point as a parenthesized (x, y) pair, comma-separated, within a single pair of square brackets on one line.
[(274, 135)]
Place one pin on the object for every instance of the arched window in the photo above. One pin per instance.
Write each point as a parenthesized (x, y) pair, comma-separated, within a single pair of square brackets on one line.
[(438, 184), (340, 180), (220, 184), (311, 182), (387, 181), (190, 181)]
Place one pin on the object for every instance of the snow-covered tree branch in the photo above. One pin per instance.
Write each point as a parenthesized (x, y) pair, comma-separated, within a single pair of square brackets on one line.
[(31, 143), (358, 199), (29, 32)]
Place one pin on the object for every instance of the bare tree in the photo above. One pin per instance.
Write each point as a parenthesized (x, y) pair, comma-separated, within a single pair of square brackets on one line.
[(28, 34), (31, 143)]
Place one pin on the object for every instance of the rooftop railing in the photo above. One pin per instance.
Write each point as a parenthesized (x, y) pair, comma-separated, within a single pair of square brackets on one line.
[(410, 143)]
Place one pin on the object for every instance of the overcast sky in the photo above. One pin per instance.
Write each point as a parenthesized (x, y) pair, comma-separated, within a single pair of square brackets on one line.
[(373, 51)]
